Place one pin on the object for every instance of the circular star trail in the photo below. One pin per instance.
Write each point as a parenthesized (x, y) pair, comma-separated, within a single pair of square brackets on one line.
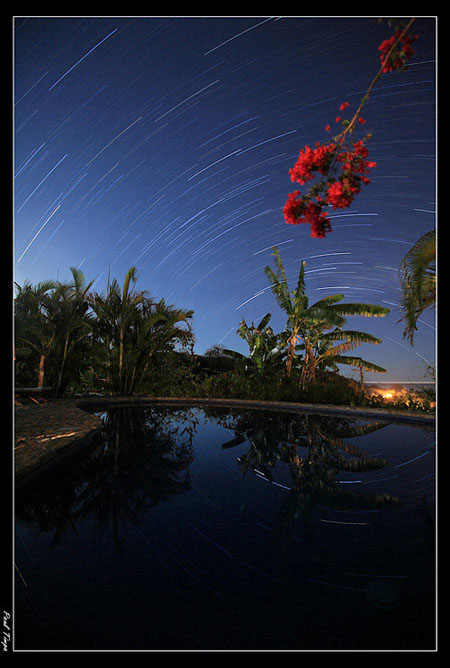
[(165, 143)]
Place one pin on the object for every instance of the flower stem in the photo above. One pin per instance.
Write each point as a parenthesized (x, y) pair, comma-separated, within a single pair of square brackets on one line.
[(380, 72)]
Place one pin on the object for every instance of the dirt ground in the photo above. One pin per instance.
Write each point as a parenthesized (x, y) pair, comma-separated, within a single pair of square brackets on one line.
[(44, 430)]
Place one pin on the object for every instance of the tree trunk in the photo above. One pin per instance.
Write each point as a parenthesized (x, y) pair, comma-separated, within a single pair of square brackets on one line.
[(121, 362), (309, 369), (291, 353), (41, 371), (63, 364), (108, 367)]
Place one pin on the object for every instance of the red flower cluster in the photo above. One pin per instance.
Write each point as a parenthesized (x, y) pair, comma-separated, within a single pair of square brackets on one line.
[(355, 162), (401, 53), (312, 160), (298, 211), (340, 194), (345, 170), (355, 166)]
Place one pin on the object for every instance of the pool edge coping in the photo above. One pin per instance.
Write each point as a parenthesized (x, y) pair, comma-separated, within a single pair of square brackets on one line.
[(87, 403)]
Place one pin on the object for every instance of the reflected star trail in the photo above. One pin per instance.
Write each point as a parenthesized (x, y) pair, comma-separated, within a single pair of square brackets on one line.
[(166, 143)]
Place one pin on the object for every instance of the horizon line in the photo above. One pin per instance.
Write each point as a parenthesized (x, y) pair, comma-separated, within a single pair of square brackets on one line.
[(402, 382)]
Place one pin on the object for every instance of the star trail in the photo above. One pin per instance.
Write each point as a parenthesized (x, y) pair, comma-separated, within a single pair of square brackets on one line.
[(166, 143)]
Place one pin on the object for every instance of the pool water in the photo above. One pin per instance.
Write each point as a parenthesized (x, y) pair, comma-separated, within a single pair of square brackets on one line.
[(216, 529)]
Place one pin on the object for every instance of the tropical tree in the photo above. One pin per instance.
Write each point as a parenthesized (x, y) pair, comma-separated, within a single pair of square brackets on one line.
[(132, 327), (68, 310), (144, 460), (314, 447), (266, 349), (323, 352), (34, 332), (159, 328), (418, 281), (296, 306), (52, 320), (306, 323), (114, 312)]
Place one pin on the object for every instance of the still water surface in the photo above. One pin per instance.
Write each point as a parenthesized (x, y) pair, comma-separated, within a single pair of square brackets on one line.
[(209, 528)]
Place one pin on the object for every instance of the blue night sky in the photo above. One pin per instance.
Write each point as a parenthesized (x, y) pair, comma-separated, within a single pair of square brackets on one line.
[(165, 143)]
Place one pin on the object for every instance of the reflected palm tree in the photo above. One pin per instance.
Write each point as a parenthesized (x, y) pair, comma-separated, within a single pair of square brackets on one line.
[(314, 449), (141, 459), (279, 437)]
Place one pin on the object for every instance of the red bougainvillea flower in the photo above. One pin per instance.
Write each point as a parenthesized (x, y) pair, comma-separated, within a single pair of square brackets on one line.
[(297, 211), (345, 169), (355, 160), (343, 165), (312, 160), (400, 54), (320, 225), (293, 208), (340, 195)]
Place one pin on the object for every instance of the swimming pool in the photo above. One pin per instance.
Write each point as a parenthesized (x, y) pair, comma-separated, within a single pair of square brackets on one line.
[(201, 528)]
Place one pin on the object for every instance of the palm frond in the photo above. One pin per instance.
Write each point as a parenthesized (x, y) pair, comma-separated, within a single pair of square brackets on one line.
[(418, 279), (349, 335), (280, 290), (420, 259), (327, 301), (131, 276), (264, 322), (340, 349), (327, 316), (359, 363), (369, 310), (281, 274), (78, 279), (300, 298)]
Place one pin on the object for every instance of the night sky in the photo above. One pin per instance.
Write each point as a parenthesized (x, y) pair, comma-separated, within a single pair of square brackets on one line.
[(165, 143)]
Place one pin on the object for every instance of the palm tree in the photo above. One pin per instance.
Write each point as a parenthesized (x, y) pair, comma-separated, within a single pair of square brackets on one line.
[(32, 325), (418, 280), (315, 448), (266, 348), (115, 312), (323, 352), (132, 328), (308, 322), (52, 318), (144, 460), (68, 310), (155, 329), (127, 311), (296, 307)]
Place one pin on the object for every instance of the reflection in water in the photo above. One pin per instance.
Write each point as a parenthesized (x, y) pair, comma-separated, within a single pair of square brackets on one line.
[(142, 458), (170, 532), (314, 449)]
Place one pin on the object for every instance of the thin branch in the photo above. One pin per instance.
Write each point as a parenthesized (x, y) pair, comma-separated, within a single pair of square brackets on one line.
[(380, 72)]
